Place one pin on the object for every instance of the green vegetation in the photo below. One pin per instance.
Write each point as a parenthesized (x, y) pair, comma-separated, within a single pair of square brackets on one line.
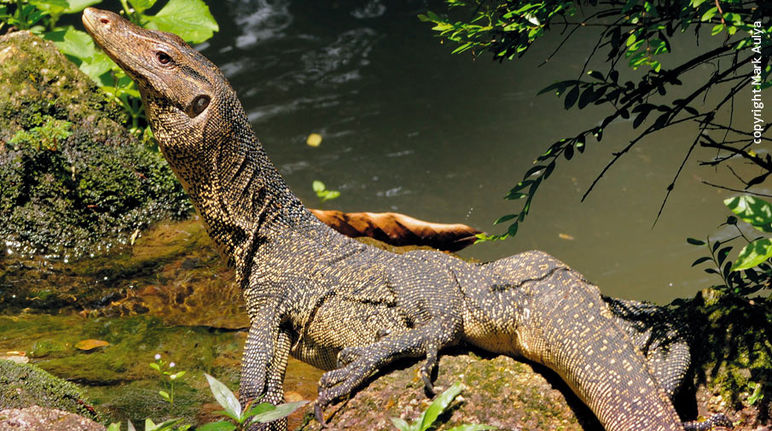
[(751, 271), (636, 33), (261, 413), (322, 193), (439, 406), (190, 19), (169, 378)]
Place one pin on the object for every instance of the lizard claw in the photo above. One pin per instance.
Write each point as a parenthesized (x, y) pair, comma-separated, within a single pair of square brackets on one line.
[(716, 420), (427, 369), (319, 414)]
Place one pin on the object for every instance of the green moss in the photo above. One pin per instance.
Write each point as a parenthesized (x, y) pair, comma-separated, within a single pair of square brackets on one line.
[(24, 385), (73, 179)]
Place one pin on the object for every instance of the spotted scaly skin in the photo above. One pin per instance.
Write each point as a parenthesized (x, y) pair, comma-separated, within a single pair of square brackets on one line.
[(350, 308)]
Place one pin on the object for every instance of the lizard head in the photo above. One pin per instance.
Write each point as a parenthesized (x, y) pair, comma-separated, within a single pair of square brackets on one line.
[(183, 92)]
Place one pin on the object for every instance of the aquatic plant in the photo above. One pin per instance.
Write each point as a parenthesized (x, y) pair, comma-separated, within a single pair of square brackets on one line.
[(169, 378)]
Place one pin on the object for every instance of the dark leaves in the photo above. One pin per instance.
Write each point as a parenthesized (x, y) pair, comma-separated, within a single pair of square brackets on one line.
[(571, 97)]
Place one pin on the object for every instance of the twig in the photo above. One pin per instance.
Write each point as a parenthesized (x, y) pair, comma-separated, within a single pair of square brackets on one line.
[(736, 190)]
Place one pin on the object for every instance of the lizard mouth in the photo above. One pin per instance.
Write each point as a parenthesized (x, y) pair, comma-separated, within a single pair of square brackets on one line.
[(96, 22), (110, 32)]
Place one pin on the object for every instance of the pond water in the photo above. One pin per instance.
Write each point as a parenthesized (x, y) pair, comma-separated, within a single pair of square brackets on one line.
[(408, 127)]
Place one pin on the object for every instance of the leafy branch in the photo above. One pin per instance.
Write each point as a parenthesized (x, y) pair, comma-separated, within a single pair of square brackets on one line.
[(638, 32)]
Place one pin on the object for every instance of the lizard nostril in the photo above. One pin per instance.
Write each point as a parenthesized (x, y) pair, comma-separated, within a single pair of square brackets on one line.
[(104, 20)]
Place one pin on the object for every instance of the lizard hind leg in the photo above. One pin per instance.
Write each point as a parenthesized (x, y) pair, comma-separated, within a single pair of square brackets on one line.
[(660, 335), (358, 363)]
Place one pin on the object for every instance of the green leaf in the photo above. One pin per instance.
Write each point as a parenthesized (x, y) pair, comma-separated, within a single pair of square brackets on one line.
[(753, 254), (76, 6), (281, 411), (318, 186), (752, 210), (155, 366), (54, 7), (189, 19), (700, 260), (141, 5), (73, 42), (709, 14), (115, 426), (694, 241), (164, 395), (217, 426), (400, 424), (439, 405), (260, 408), (502, 219), (224, 396), (597, 75), (226, 414)]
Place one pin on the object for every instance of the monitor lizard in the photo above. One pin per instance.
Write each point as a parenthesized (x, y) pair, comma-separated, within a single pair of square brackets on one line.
[(351, 308)]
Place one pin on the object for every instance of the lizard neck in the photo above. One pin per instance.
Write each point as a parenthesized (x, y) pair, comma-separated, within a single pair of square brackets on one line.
[(239, 193)]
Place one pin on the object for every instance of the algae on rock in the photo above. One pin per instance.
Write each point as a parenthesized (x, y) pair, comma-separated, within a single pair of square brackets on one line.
[(25, 385), (71, 175)]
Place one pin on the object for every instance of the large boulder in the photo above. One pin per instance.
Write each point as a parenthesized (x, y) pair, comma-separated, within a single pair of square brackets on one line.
[(72, 175)]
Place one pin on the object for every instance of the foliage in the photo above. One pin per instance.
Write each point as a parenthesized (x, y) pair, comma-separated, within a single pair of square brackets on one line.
[(190, 19), (638, 33), (426, 420), (261, 413), (169, 378), (752, 270), (322, 193)]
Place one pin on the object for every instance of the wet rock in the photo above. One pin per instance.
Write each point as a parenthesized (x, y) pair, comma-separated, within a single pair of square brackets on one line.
[(44, 419), (72, 176), (25, 385)]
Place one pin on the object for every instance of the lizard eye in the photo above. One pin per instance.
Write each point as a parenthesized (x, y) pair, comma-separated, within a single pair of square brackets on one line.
[(199, 104), (163, 57)]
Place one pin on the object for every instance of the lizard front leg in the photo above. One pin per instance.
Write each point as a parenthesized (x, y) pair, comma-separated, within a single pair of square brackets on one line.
[(357, 363), (263, 366)]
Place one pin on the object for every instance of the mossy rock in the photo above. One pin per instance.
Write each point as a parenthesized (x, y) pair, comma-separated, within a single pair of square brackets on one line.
[(73, 180), (25, 385), (731, 354), (498, 391)]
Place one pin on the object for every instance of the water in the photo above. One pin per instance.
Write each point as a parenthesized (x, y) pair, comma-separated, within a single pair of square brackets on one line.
[(407, 127)]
